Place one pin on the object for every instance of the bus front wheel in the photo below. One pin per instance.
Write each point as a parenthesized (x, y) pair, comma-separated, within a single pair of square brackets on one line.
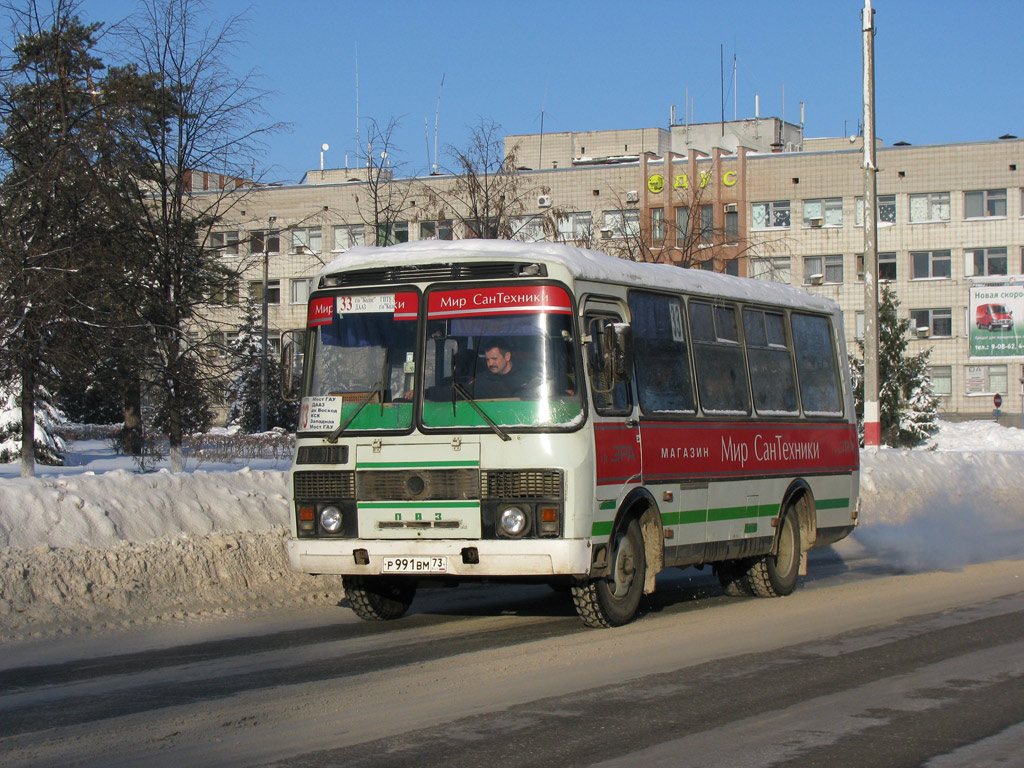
[(612, 601), (378, 599), (774, 575)]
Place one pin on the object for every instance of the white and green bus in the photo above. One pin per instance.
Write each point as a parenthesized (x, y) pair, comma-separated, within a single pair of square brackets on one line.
[(496, 411)]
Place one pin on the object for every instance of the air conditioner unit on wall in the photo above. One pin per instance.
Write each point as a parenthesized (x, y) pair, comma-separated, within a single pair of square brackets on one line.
[(632, 196), (543, 201), (817, 222), (731, 208)]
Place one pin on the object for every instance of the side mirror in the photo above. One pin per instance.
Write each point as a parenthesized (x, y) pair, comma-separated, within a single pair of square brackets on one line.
[(293, 346)]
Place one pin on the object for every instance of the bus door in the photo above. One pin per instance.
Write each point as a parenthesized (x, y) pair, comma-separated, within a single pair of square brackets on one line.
[(616, 426)]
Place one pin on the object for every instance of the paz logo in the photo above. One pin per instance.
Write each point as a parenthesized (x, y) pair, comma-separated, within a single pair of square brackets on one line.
[(656, 183)]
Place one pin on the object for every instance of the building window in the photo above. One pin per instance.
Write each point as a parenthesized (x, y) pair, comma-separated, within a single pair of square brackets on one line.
[(984, 203), (732, 224), (707, 224), (858, 325), (942, 379), (395, 232), (225, 242), (931, 264), (225, 295), (777, 269), (986, 379), (823, 269), (886, 207), (657, 224), (933, 206), (933, 322), (307, 238), (773, 215), (349, 236), (826, 212), (620, 224), (682, 225), (300, 288), (574, 227), (437, 230), (260, 239), (273, 291), (886, 267), (985, 261), (528, 229)]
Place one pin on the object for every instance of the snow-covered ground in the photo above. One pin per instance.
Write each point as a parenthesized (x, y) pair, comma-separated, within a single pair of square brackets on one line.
[(96, 543)]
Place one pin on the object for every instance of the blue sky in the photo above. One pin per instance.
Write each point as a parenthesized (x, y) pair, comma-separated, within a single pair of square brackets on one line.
[(945, 71)]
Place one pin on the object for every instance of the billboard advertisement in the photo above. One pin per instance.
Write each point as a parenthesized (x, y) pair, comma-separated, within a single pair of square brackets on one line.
[(995, 322)]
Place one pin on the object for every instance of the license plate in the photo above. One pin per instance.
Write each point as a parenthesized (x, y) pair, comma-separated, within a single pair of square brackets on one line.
[(415, 565)]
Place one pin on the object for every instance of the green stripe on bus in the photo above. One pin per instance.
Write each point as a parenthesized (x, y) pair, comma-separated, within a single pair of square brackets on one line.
[(414, 464), (750, 528), (602, 528), (419, 504), (832, 503)]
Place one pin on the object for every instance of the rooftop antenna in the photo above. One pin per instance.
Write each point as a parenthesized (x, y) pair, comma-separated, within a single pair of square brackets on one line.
[(437, 114), (735, 90), (357, 104)]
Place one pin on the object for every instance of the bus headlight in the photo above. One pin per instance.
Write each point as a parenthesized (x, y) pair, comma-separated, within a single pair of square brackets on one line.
[(513, 521), (330, 519)]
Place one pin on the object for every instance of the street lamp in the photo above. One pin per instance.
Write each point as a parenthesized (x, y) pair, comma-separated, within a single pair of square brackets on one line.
[(263, 354)]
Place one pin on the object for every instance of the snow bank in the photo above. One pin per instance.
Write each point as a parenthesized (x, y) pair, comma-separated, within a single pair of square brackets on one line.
[(118, 547)]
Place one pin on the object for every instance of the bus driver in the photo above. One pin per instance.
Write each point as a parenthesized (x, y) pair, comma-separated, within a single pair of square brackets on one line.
[(504, 378)]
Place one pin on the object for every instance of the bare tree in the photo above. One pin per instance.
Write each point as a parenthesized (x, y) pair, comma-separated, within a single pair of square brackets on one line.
[(202, 154), (385, 202)]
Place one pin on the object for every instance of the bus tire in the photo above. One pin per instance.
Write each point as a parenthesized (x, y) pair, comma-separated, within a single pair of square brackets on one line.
[(613, 600), (732, 575), (775, 574), (378, 599)]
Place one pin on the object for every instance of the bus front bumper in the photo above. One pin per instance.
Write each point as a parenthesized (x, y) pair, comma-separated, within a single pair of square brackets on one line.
[(527, 557)]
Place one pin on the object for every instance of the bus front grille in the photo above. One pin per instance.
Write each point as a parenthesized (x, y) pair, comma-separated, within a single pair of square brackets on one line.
[(418, 485), (323, 486), (522, 484)]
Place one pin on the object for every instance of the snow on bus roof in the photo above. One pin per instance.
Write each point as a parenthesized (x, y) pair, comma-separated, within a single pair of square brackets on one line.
[(585, 264)]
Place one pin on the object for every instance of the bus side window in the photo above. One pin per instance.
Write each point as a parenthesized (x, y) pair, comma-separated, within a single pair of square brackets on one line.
[(718, 359), (816, 366), (770, 362), (610, 397), (659, 344)]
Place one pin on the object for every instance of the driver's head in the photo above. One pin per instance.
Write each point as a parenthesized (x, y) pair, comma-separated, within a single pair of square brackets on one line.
[(498, 359)]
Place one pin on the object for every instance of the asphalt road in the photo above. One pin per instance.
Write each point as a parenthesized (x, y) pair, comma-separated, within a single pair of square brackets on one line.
[(861, 666)]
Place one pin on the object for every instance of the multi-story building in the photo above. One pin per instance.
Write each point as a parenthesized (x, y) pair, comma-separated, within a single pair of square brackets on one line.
[(753, 198)]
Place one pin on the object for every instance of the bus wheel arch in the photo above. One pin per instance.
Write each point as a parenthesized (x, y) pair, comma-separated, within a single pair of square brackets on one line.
[(799, 500), (633, 556)]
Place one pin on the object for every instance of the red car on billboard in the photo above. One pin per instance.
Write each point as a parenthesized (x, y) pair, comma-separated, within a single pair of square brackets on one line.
[(994, 317)]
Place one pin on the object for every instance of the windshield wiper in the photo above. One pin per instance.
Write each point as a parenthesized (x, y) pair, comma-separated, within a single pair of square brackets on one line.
[(456, 387), (377, 391)]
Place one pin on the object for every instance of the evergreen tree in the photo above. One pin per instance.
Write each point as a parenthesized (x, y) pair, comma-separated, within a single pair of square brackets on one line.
[(908, 408), (47, 443), (244, 389)]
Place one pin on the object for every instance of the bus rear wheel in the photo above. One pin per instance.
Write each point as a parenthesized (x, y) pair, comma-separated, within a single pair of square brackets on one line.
[(613, 600), (373, 598), (775, 574)]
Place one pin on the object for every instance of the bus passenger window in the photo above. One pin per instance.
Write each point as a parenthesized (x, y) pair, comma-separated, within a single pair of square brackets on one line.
[(659, 345), (816, 365), (770, 362), (718, 360)]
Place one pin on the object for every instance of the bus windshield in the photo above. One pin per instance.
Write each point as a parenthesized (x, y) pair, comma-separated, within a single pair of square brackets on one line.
[(503, 354), (363, 370)]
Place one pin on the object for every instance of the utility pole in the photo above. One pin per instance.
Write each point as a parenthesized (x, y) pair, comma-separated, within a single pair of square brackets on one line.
[(872, 416), (263, 350)]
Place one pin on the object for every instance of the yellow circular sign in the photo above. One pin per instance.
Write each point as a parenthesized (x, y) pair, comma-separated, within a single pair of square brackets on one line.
[(656, 183)]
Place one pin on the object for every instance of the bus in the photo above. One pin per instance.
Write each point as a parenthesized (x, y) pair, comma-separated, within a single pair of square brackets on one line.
[(498, 411)]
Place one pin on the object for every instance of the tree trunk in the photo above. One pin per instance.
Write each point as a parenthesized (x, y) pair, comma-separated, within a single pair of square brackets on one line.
[(131, 432), (28, 421)]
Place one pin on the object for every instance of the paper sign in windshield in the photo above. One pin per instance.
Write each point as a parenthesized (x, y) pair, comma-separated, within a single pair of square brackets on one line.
[(320, 414)]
